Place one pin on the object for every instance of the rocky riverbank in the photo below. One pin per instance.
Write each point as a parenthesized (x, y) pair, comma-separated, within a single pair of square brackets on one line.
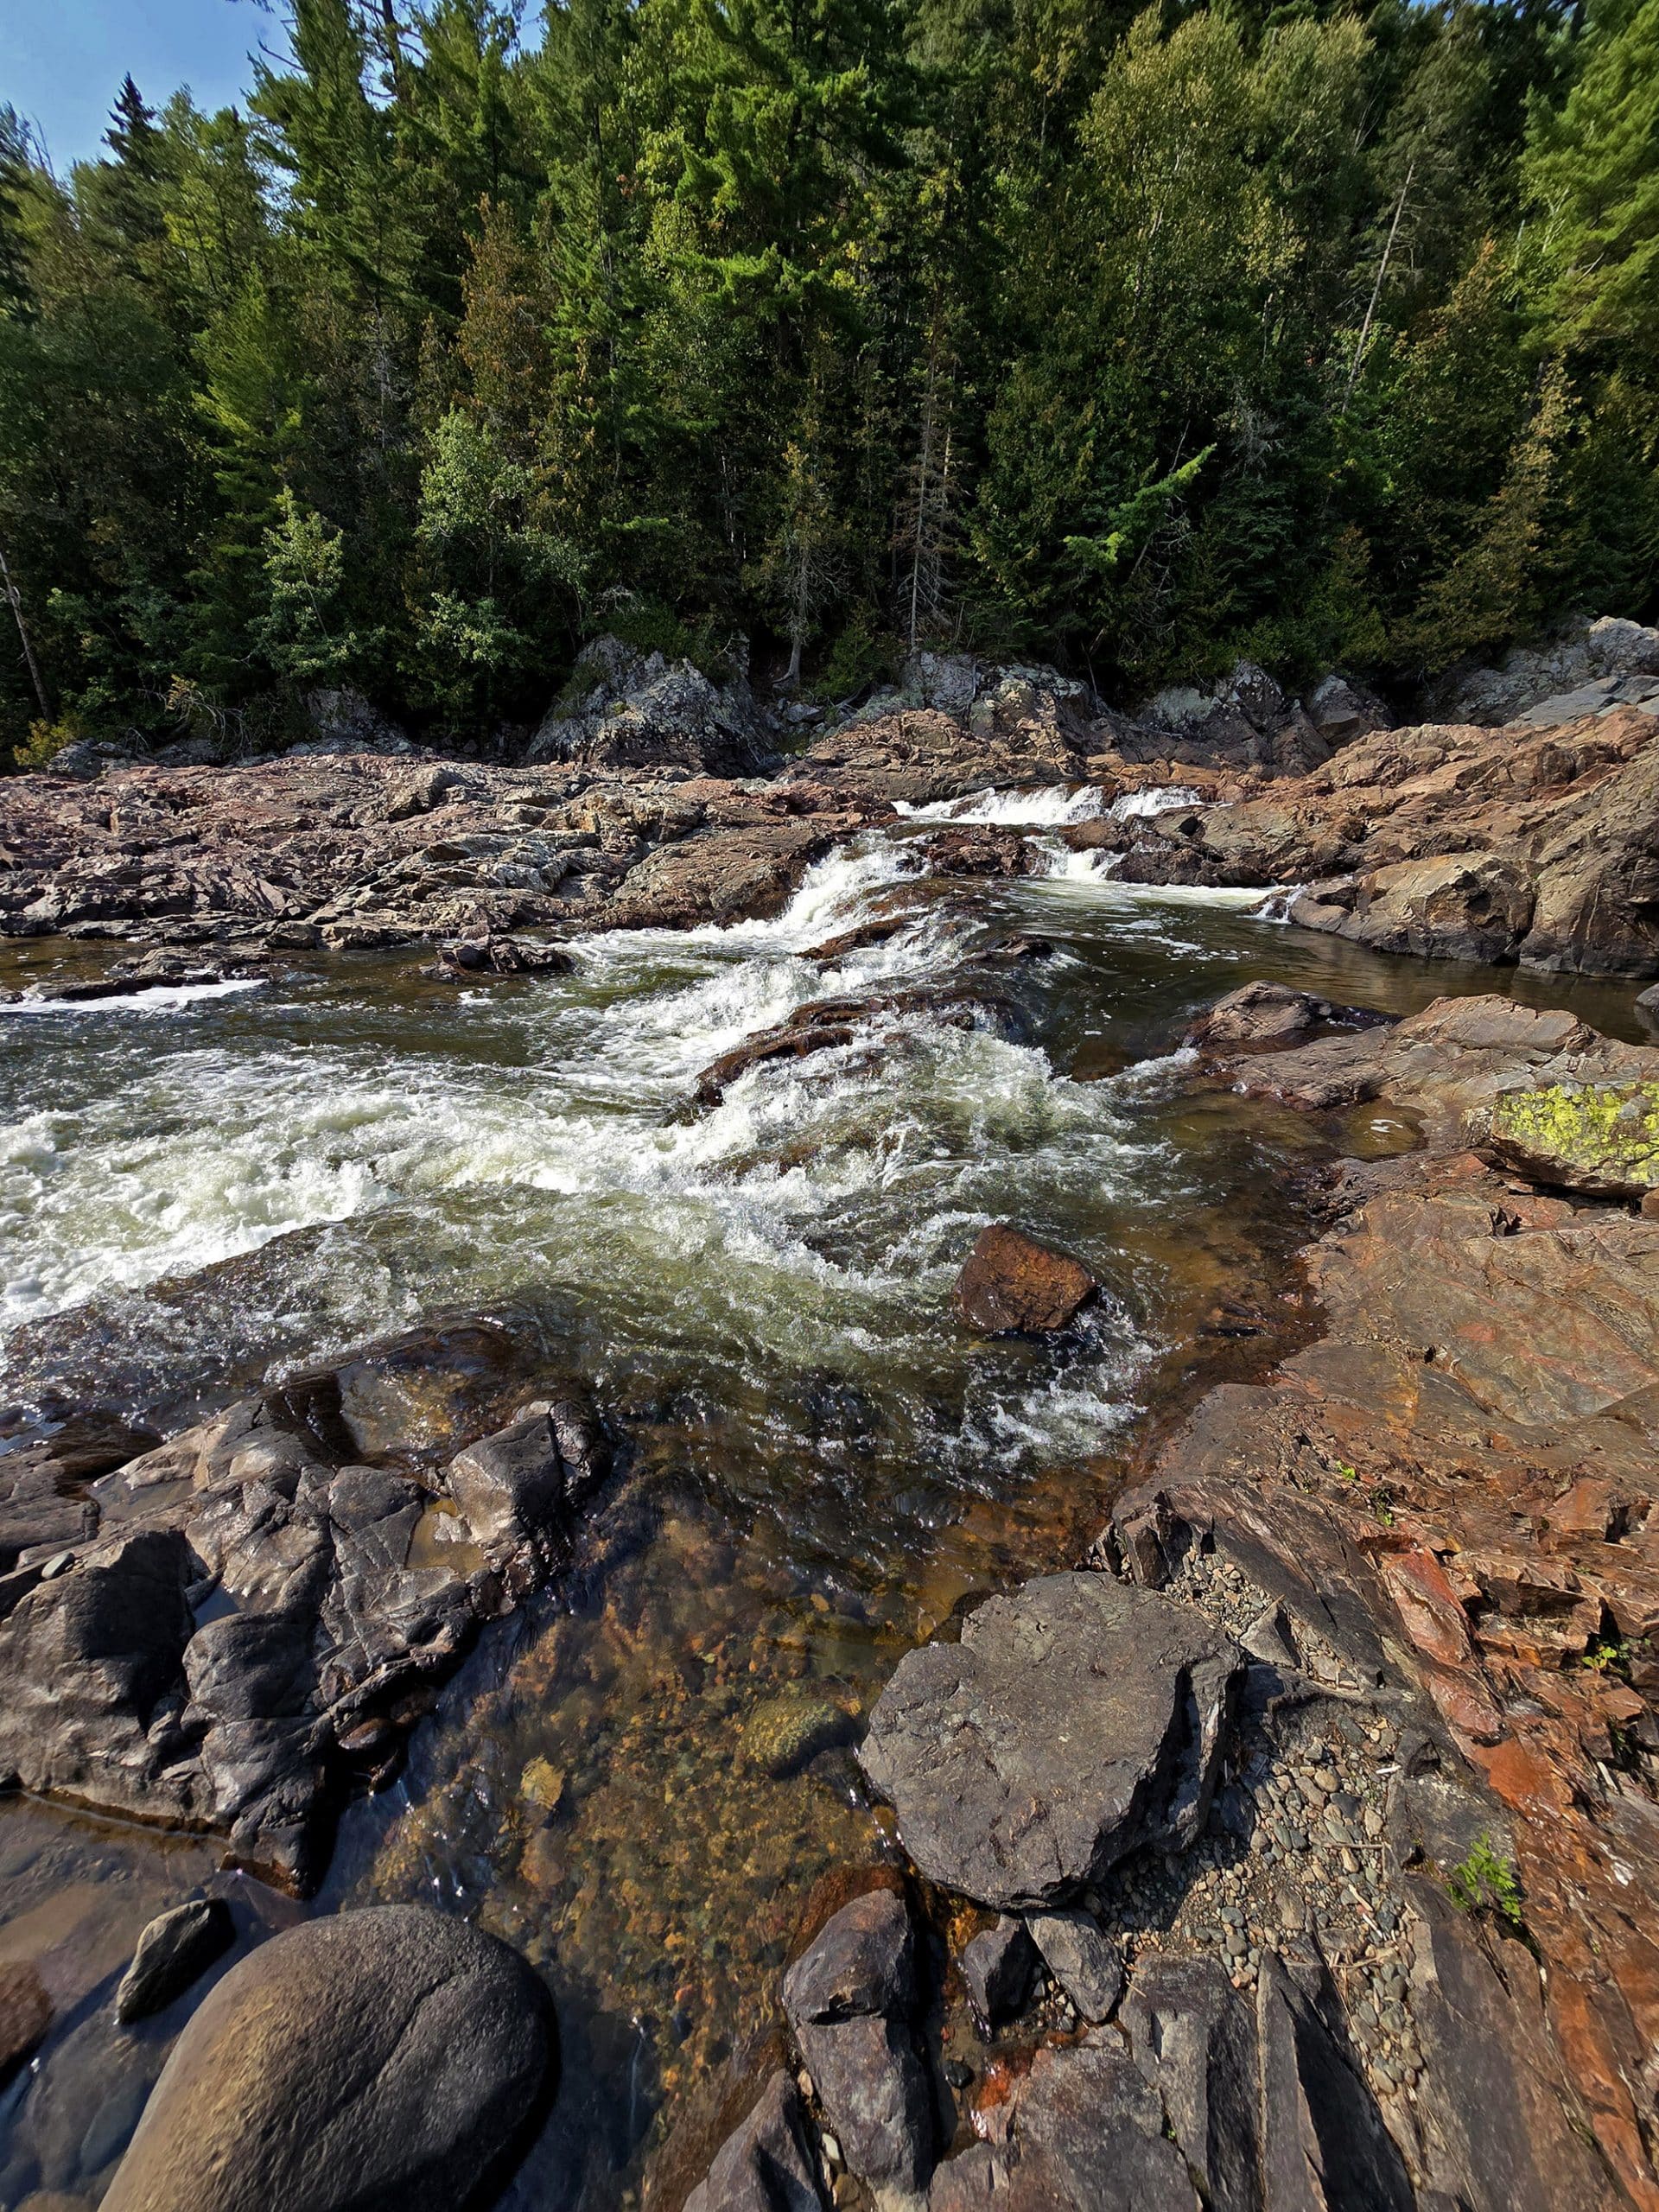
[(1318, 1808), (1532, 841), (1292, 1848)]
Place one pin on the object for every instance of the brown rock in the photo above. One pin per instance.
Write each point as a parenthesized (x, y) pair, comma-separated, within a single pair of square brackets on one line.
[(1010, 1282), (25, 2014)]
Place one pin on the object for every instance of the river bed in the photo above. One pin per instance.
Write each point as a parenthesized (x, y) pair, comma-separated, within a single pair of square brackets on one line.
[(640, 1778)]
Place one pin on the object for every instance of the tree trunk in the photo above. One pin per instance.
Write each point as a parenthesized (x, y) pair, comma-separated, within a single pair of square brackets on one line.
[(15, 597)]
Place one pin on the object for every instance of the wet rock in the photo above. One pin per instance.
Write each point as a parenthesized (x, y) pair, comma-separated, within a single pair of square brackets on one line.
[(1194, 2038), (979, 850), (173, 1951), (1260, 1016), (471, 957), (769, 2163), (850, 2000), (25, 2014), (1010, 1282), (1077, 1719), (997, 1966), (377, 2057), (92, 1658), (515, 1492), (1600, 1139), (272, 1606), (825, 1025), (1083, 1960)]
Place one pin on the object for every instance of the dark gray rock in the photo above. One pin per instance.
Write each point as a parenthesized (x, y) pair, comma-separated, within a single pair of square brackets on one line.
[(1324, 2147), (768, 2163), (391, 2057), (1193, 2037), (1077, 1719), (851, 1997), (1493, 2108), (325, 1614), (997, 1966), (1084, 1961), (92, 1663), (175, 1947), (1085, 2134)]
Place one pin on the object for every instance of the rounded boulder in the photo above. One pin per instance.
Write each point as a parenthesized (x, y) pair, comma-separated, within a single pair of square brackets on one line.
[(372, 2061)]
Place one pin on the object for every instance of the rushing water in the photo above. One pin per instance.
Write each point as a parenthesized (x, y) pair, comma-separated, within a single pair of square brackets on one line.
[(823, 1464)]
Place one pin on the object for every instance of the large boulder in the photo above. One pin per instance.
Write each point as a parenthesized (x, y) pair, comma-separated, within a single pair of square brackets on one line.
[(1601, 1139), (1078, 1719), (1009, 1281), (628, 709), (376, 2060)]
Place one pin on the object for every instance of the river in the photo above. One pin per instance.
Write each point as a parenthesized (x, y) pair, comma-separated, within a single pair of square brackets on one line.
[(821, 1464)]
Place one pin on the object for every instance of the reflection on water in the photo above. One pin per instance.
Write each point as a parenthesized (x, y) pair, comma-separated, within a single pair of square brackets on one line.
[(639, 1779)]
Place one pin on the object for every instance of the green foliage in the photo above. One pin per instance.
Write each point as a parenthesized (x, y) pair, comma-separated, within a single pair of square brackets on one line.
[(1135, 339), (1486, 1882), (301, 634)]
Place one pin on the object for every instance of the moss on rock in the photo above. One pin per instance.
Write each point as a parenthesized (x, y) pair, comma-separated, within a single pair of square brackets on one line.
[(1602, 1139)]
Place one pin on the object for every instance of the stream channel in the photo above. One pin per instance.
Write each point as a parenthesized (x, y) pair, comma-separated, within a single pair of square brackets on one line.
[(823, 1464)]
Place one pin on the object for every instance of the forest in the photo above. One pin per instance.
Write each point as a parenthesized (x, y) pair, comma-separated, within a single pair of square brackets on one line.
[(809, 332)]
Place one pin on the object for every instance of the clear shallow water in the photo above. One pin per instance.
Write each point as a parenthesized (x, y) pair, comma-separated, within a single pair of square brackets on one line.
[(822, 1463)]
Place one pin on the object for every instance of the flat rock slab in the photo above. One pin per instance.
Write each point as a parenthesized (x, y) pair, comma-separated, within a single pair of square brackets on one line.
[(1078, 1719), (377, 2058), (1010, 1282)]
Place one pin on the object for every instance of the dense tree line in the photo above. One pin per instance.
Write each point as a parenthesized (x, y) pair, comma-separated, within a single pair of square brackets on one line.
[(1130, 341)]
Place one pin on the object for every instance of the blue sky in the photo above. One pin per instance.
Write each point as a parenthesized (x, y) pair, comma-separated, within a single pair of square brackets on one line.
[(62, 61)]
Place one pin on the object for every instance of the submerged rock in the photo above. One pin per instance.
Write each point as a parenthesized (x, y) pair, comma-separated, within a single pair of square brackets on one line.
[(1077, 1719), (389, 2056), (173, 1951), (25, 2012), (1010, 1282)]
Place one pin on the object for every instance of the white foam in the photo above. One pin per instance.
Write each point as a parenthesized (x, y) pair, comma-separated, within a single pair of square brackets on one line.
[(166, 999), (1048, 806)]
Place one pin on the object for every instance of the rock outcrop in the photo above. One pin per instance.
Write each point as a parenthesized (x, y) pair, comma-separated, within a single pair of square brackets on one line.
[(627, 709), (1594, 669), (1076, 1720), (1449, 1494), (245, 1620), (1536, 846), (389, 2056)]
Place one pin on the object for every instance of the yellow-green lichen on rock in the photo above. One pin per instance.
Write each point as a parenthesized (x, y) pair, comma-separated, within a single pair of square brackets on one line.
[(1602, 1139)]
